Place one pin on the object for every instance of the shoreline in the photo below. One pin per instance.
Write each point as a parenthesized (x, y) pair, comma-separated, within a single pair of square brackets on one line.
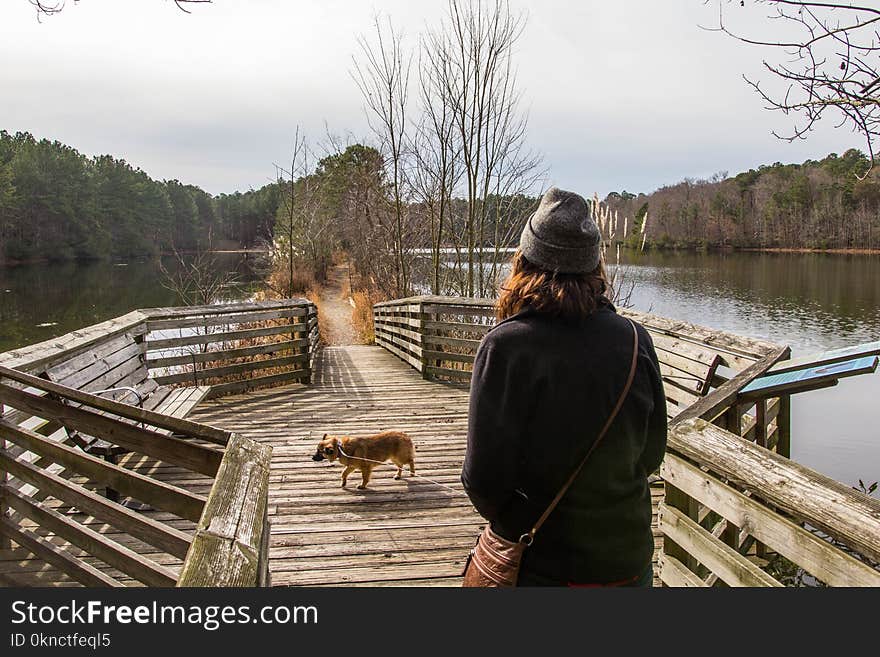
[(724, 249), (806, 250)]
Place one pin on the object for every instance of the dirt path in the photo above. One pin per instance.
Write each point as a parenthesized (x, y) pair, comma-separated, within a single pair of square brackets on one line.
[(336, 310)]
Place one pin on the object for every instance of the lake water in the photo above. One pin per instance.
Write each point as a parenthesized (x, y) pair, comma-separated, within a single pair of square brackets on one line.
[(38, 302), (811, 302)]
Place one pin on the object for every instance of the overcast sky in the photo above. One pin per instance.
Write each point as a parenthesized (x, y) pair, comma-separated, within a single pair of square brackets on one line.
[(630, 94)]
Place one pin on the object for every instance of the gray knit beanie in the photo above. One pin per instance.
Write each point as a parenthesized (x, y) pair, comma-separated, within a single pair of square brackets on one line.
[(561, 235)]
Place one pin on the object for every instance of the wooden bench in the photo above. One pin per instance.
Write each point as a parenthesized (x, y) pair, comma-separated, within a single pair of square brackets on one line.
[(117, 370), (687, 369)]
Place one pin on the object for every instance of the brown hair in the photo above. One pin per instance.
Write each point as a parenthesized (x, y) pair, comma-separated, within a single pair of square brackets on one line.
[(561, 295)]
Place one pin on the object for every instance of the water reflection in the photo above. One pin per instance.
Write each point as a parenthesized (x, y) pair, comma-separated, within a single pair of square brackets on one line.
[(38, 302)]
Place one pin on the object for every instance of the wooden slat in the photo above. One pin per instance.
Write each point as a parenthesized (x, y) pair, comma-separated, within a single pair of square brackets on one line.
[(720, 341), (445, 355), (128, 411), (186, 406), (408, 358), (150, 531), (120, 557), (58, 557), (459, 309), (169, 312), (98, 368), (673, 573), (452, 342), (213, 372), (480, 329), (173, 450), (226, 548), (415, 301), (223, 319), (221, 389), (160, 495), (728, 564), (404, 321), (687, 352), (227, 354), (829, 564), (45, 354), (228, 336), (837, 510), (84, 360), (445, 371), (415, 336)]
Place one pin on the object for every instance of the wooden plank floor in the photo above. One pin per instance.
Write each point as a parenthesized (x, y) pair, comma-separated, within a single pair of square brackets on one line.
[(406, 533)]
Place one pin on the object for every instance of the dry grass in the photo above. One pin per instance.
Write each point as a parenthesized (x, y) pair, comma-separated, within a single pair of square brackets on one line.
[(314, 295), (362, 313), (303, 280)]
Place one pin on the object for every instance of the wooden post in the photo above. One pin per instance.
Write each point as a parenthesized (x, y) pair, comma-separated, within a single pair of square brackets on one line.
[(761, 422), (307, 349), (733, 419), (423, 359), (5, 541), (783, 427)]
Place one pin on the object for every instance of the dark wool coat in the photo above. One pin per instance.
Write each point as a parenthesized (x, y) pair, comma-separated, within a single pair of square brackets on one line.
[(541, 390)]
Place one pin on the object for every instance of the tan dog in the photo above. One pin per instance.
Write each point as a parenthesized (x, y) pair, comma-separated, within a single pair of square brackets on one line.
[(363, 453)]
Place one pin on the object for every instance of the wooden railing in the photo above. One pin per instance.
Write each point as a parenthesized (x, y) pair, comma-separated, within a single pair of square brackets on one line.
[(232, 347), (94, 422), (52, 490), (738, 514), (439, 336)]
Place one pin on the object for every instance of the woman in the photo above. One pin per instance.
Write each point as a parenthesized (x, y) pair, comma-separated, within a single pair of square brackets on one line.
[(545, 380)]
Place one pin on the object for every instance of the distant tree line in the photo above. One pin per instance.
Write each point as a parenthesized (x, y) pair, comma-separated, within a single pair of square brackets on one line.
[(58, 204), (820, 204)]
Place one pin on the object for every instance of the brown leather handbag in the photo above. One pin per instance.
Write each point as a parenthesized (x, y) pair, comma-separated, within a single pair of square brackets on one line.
[(494, 561)]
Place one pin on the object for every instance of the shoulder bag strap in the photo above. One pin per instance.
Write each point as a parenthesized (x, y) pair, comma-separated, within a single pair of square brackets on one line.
[(529, 537)]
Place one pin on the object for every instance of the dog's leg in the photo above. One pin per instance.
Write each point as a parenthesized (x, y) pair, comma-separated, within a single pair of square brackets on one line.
[(399, 468), (366, 471), (412, 467), (348, 470)]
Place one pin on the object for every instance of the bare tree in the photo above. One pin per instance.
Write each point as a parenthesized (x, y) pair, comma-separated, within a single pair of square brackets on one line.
[(197, 278), (382, 74), (437, 171), (302, 238), (829, 64), (473, 54)]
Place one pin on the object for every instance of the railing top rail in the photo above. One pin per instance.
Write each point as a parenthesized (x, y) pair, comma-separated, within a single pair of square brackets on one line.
[(846, 515), (30, 357), (439, 300), (752, 348), (223, 308)]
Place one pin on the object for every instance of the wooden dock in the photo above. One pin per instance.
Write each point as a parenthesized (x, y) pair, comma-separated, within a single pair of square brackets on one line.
[(235, 499), (409, 532)]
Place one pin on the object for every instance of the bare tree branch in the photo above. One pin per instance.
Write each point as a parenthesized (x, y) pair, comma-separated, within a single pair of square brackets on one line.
[(51, 7), (832, 65)]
